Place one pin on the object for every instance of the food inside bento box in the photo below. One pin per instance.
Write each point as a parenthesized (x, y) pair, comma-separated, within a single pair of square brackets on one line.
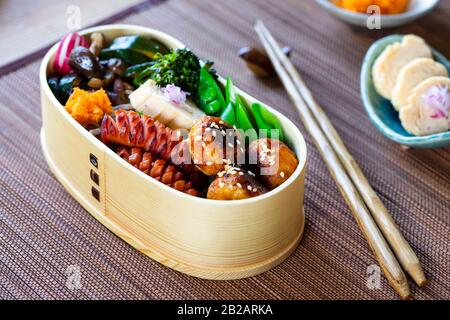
[(166, 112)]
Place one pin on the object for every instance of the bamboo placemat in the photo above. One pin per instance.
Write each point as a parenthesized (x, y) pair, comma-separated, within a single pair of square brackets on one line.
[(46, 236)]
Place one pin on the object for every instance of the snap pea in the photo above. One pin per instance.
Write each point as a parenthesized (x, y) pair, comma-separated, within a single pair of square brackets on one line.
[(211, 97), (267, 121), (236, 109), (212, 107), (229, 114), (230, 92), (242, 116)]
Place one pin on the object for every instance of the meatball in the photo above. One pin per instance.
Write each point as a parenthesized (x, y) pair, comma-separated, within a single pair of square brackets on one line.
[(212, 144), (274, 160), (234, 183)]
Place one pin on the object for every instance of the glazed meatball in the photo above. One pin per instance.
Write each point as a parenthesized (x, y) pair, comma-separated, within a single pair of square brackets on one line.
[(275, 162), (212, 144), (235, 183)]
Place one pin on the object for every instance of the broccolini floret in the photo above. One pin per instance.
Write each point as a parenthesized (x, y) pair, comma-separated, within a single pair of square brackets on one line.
[(180, 67)]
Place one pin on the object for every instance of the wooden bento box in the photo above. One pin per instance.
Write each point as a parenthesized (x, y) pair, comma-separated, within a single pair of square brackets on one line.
[(204, 238)]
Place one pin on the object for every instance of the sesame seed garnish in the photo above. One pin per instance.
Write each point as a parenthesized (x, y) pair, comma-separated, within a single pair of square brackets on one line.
[(221, 184), (238, 142), (223, 133), (196, 161), (230, 144), (214, 133), (209, 163), (249, 188), (250, 173), (242, 150), (221, 122), (282, 174), (254, 189), (241, 173), (203, 144), (239, 185), (208, 129)]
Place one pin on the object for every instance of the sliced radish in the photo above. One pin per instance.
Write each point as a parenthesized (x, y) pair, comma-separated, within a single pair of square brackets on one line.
[(67, 43)]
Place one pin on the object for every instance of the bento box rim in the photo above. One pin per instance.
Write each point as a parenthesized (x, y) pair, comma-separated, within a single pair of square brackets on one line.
[(164, 37)]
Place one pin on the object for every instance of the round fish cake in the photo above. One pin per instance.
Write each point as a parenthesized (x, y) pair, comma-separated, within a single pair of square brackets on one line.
[(412, 75), (428, 108), (388, 65)]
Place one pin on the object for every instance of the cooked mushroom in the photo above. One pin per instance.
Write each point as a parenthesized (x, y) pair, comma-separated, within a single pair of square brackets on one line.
[(97, 39), (119, 88), (82, 61), (116, 99), (235, 183), (116, 65), (274, 160), (97, 83), (258, 61)]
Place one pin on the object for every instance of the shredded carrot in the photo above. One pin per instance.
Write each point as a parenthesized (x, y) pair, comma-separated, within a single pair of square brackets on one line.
[(88, 108), (386, 6)]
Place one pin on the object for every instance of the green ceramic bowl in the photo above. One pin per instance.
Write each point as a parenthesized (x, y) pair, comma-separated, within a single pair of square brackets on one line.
[(382, 113)]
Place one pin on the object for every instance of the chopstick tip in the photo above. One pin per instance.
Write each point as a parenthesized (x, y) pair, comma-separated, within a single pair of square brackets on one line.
[(420, 280)]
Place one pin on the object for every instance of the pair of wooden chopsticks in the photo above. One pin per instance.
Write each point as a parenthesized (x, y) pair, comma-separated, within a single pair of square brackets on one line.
[(351, 181)]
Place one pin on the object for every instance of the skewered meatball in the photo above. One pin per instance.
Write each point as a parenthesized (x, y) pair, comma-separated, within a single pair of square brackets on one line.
[(234, 183), (212, 144), (275, 161)]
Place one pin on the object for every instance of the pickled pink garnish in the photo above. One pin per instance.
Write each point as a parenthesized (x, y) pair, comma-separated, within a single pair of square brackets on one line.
[(174, 94), (67, 43), (438, 99)]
